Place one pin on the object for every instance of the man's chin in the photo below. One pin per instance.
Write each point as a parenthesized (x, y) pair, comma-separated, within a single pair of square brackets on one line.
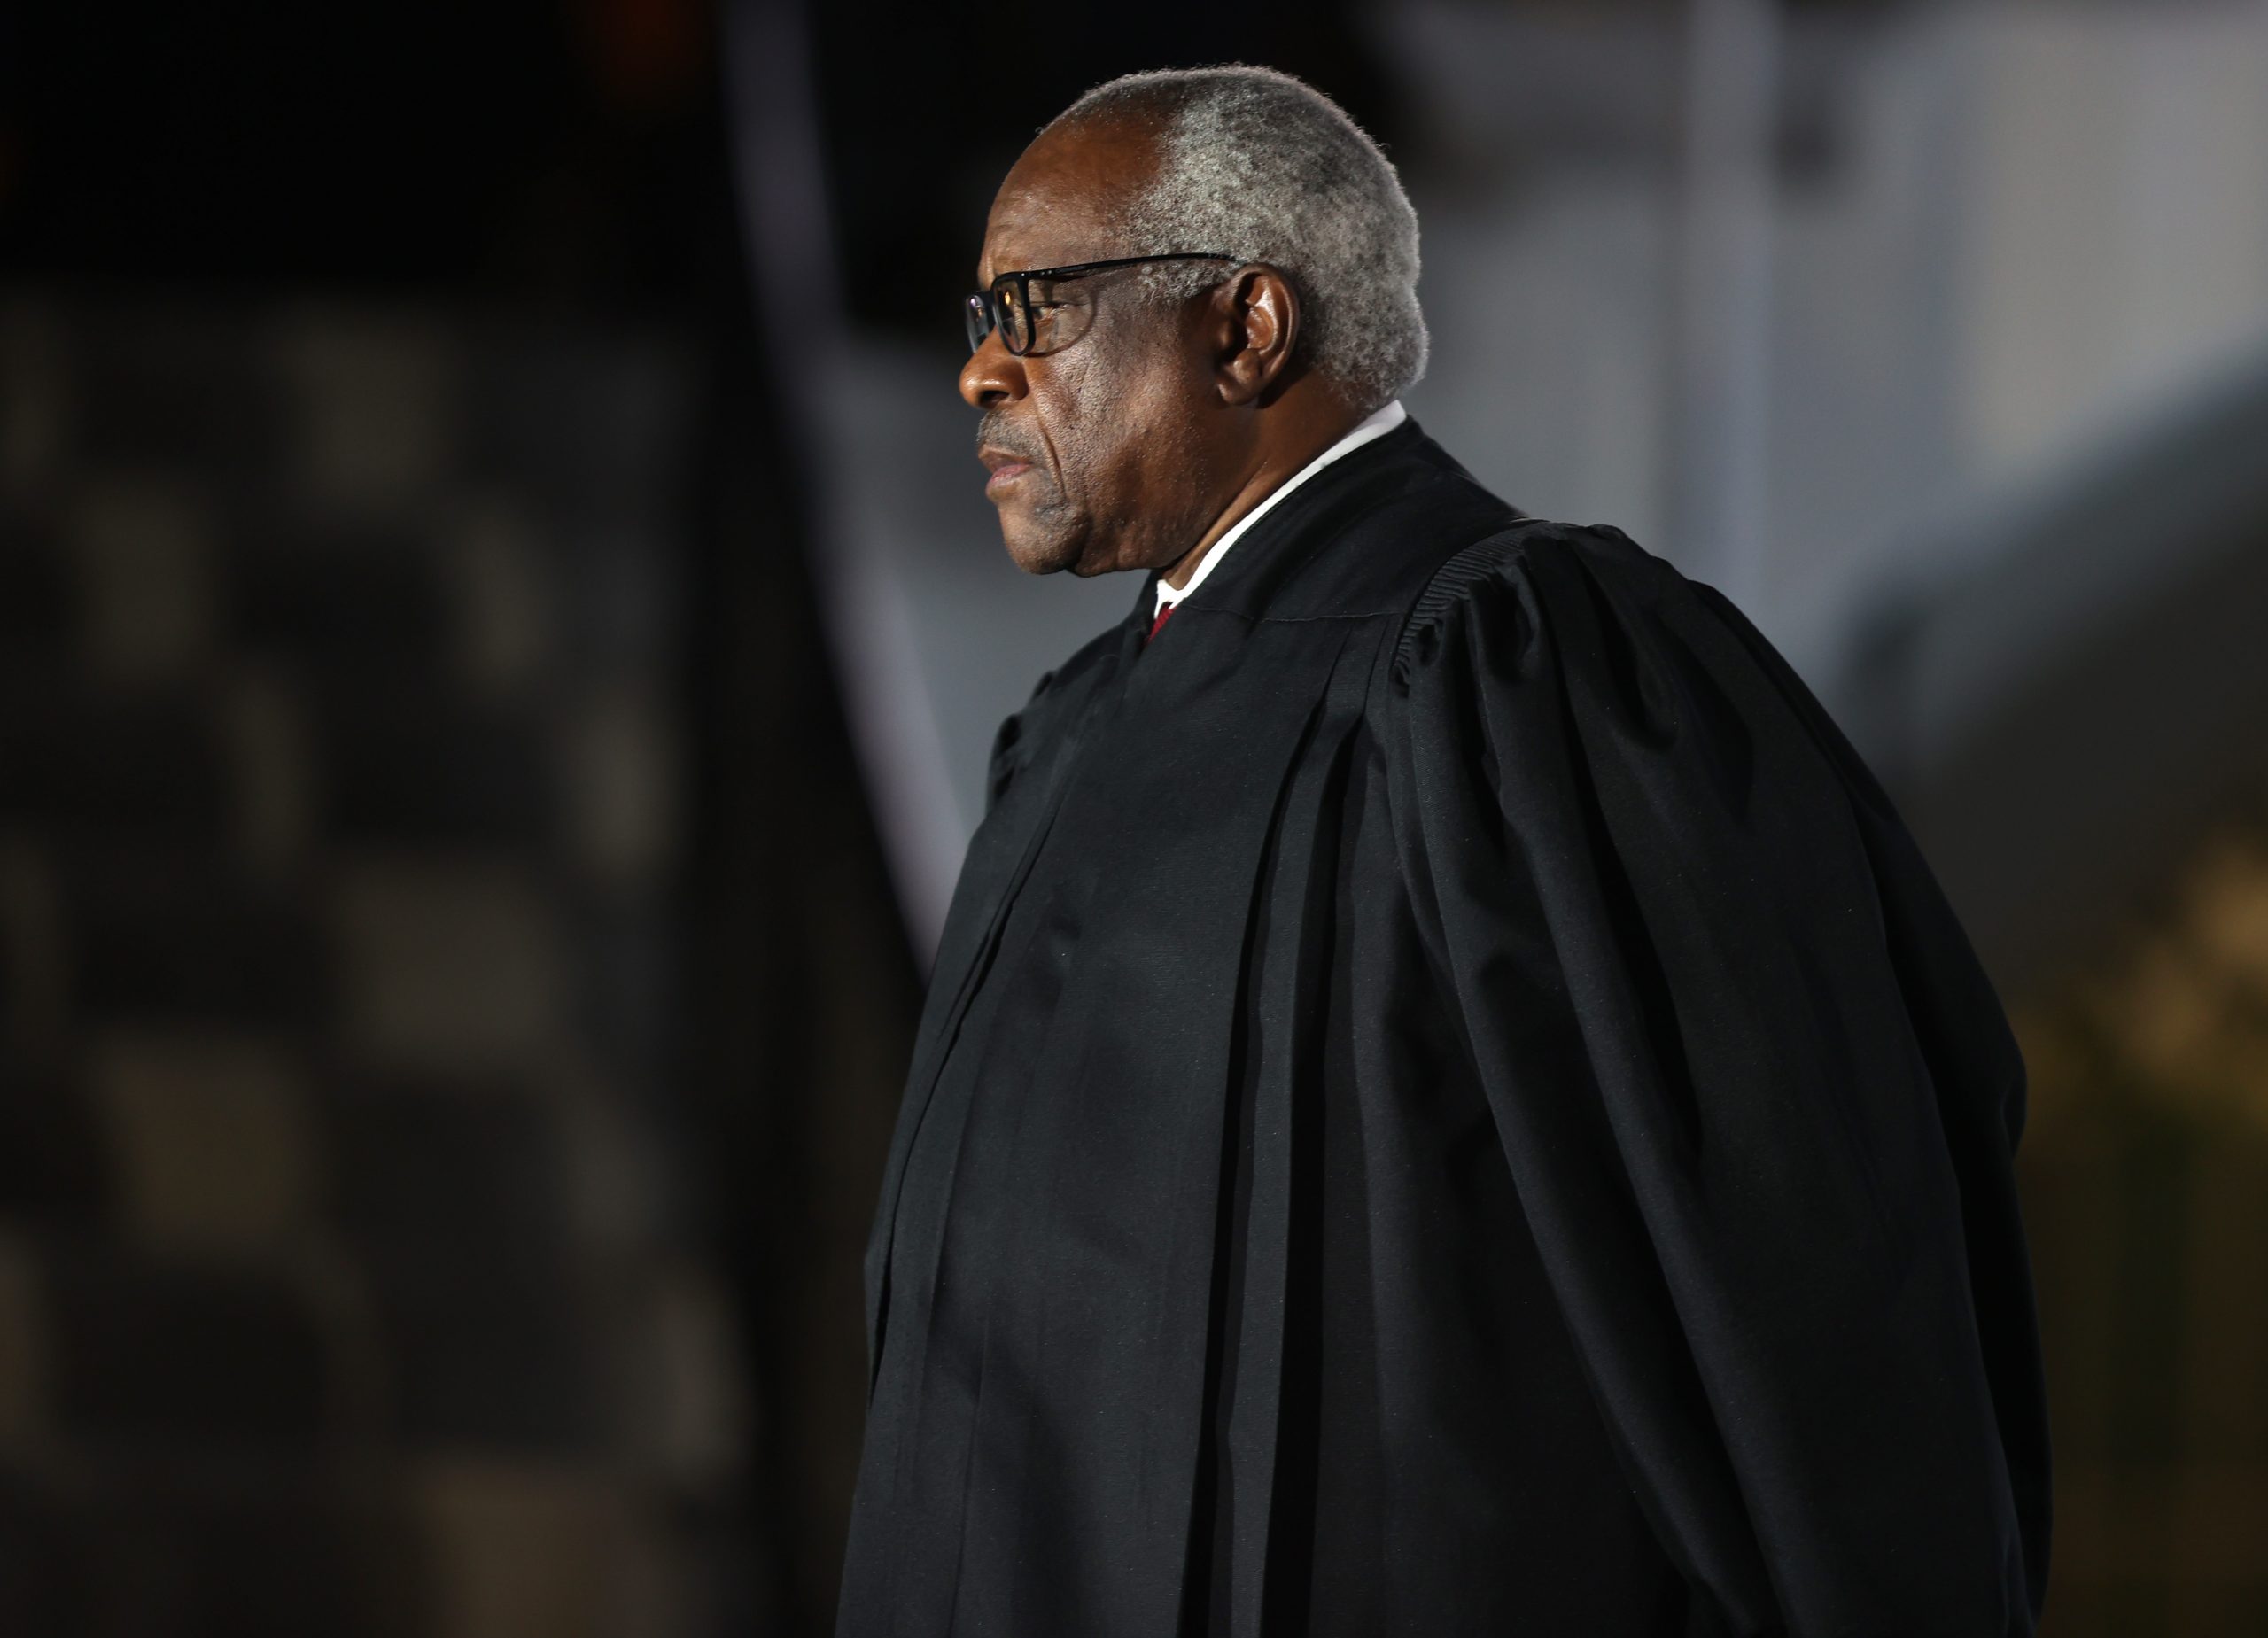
[(1037, 550)]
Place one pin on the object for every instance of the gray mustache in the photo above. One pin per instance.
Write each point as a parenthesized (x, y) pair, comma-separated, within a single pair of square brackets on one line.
[(992, 432)]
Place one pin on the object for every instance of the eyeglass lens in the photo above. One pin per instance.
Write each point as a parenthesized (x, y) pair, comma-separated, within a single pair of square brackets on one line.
[(1015, 316), (1005, 306)]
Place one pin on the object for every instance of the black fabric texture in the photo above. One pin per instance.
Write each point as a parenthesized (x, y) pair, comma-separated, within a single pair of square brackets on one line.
[(1448, 1102)]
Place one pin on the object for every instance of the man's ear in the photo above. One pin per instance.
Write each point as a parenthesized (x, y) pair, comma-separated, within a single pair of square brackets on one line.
[(1258, 314)]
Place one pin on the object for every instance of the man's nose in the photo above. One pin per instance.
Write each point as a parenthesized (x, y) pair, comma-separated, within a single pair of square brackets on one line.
[(993, 376)]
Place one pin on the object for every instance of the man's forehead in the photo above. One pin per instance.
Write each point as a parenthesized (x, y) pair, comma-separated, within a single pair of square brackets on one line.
[(1057, 204)]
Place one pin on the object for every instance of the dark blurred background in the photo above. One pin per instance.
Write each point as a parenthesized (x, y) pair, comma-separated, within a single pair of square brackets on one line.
[(499, 632)]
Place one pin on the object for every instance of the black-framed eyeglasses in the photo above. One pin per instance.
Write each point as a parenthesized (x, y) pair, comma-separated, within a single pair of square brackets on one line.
[(1008, 306)]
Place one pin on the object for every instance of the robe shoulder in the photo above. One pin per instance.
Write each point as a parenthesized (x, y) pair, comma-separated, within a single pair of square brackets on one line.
[(1582, 611), (1506, 579)]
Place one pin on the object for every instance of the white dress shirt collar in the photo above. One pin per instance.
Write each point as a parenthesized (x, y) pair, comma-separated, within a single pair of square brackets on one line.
[(1374, 425)]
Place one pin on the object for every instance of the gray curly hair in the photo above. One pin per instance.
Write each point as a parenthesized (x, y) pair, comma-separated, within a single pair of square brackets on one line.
[(1263, 167)]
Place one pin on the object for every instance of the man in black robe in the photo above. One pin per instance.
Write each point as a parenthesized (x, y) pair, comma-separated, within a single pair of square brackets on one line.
[(1448, 1102)]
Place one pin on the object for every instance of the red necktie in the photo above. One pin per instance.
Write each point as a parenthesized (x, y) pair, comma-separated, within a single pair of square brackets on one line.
[(1158, 623)]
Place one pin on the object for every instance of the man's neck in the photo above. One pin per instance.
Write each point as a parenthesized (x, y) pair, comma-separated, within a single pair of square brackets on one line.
[(1255, 499), (1313, 427)]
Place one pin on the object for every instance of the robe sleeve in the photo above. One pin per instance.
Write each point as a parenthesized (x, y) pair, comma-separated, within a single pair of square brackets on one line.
[(1755, 1092)]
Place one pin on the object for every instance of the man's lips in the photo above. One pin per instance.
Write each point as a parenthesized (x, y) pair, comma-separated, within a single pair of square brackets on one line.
[(1005, 468)]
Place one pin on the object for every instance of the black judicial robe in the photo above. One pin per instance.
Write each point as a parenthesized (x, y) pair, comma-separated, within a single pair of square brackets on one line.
[(1449, 1104)]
